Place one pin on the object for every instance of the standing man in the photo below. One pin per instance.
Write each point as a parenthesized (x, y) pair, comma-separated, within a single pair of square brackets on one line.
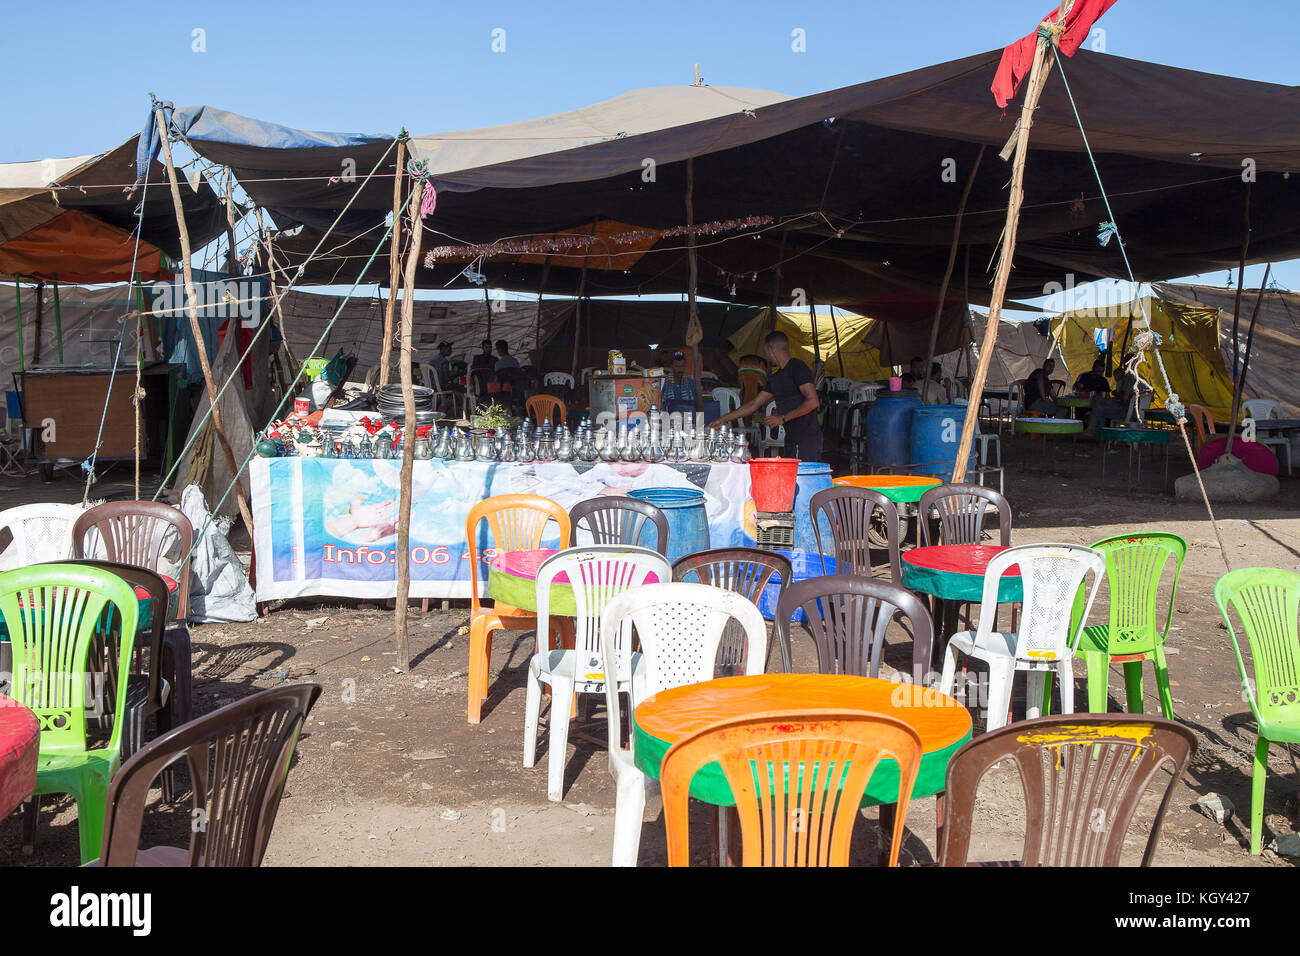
[(442, 365), (791, 387), (481, 368)]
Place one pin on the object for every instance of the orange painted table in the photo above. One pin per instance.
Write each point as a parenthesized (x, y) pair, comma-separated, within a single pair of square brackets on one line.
[(674, 714), (900, 489)]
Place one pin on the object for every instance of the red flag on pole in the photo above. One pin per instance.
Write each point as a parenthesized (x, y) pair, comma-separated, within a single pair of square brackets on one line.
[(1017, 58)]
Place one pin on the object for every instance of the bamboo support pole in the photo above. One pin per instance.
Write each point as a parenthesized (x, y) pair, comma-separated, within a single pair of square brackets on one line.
[(1240, 384), (58, 317), (947, 276), (191, 298), (1037, 79), (692, 264), (408, 429), (394, 262), (1241, 281)]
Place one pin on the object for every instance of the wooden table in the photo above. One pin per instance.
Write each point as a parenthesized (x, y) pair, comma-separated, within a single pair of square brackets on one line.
[(20, 739), (679, 712)]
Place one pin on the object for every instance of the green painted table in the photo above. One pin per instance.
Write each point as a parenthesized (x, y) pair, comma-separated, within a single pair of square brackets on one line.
[(512, 579), (1135, 439), (900, 489), (679, 712), (1073, 401)]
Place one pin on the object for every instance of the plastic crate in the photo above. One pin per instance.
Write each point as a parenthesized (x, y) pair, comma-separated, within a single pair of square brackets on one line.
[(774, 529)]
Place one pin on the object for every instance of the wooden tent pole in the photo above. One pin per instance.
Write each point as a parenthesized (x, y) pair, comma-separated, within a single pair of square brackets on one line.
[(577, 308), (394, 261), (692, 265), (40, 308), (1240, 386), (18, 299), (1241, 281), (408, 429), (277, 313), (839, 350), (58, 317), (1038, 74), (191, 301), (776, 284), (947, 277), (541, 291)]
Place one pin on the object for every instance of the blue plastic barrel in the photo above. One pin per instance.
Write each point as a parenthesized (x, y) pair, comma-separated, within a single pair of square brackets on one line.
[(804, 565), (814, 476), (936, 433), (688, 524), (889, 427)]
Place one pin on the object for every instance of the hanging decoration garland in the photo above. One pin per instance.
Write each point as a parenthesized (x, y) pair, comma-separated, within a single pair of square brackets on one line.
[(578, 243)]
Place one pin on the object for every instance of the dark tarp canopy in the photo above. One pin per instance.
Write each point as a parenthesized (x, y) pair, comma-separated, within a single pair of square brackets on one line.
[(851, 179)]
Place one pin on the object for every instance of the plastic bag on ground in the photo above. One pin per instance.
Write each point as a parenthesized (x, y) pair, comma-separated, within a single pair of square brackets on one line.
[(219, 589)]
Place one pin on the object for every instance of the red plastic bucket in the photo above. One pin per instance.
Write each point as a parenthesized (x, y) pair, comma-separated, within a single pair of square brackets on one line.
[(773, 482)]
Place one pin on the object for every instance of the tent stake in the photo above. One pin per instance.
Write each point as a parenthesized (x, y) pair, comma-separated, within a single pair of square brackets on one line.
[(947, 277), (1038, 74), (394, 256), (191, 298), (408, 431)]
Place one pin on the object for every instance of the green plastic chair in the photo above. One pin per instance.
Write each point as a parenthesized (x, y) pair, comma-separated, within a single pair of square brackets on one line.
[(56, 614), (1267, 601), (1135, 566)]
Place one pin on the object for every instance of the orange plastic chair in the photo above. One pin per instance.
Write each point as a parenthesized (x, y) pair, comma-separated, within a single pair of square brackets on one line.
[(547, 408), (803, 818), (1203, 421), (517, 523)]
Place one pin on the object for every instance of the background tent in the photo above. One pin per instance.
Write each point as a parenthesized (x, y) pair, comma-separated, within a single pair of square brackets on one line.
[(1021, 348), (860, 360), (1189, 346)]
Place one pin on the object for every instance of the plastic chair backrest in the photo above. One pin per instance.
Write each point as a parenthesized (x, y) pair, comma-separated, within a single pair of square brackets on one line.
[(847, 617), (777, 437), (139, 533), (962, 510), (558, 378), (1203, 422), (617, 519), (728, 399), (1082, 775), (586, 373), (798, 778), (679, 626), (543, 408), (849, 512), (238, 759), (1266, 600), (41, 532), (1260, 408), (516, 523), (1135, 566), (596, 574), (748, 572), (55, 612), (1051, 575), (752, 381), (841, 384)]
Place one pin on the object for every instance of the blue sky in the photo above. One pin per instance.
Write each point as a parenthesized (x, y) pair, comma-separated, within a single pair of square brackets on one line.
[(81, 83)]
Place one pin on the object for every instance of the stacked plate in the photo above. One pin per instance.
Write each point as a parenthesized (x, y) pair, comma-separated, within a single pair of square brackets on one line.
[(388, 401)]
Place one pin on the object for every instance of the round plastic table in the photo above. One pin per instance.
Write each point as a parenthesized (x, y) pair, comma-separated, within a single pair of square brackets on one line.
[(900, 489), (955, 572), (1048, 426), (512, 579), (674, 714), (1073, 401), (20, 739)]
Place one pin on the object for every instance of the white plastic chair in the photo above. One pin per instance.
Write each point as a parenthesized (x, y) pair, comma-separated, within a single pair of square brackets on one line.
[(41, 532), (586, 374), (770, 438), (728, 399), (559, 378), (680, 626), (1051, 575), (984, 438), (444, 399), (596, 573)]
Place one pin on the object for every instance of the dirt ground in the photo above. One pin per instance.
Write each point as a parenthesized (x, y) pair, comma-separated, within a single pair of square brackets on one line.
[(389, 772)]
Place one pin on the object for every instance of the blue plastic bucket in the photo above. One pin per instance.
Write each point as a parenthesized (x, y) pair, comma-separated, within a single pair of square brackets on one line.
[(814, 476), (804, 565), (888, 429), (688, 524), (936, 433)]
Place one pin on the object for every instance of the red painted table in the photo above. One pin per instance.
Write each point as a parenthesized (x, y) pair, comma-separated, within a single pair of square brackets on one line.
[(20, 739), (955, 572)]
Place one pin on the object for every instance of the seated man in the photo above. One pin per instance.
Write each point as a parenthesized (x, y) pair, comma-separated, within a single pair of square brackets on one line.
[(1038, 393), (680, 389), (1134, 394), (508, 370), (913, 375), (481, 368), (1094, 381)]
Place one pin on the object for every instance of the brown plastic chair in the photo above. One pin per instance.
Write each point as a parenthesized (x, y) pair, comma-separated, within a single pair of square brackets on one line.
[(1082, 776), (849, 512), (747, 571), (238, 759), (516, 523), (547, 408), (847, 617), (1203, 422), (618, 520), (138, 533), (962, 510), (798, 778)]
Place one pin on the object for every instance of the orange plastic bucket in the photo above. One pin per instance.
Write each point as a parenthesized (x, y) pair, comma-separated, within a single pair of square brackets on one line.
[(773, 482)]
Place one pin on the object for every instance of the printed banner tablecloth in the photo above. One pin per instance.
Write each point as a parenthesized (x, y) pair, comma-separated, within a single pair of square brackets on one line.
[(328, 526)]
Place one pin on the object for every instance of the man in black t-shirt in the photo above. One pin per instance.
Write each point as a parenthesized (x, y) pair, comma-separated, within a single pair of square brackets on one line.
[(791, 388)]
